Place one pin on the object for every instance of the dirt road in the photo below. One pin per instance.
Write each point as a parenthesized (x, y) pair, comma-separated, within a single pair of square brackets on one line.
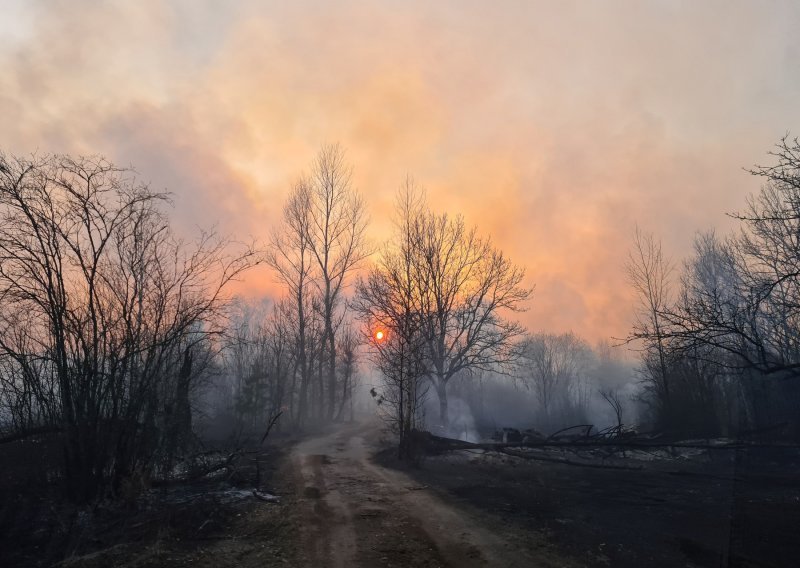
[(354, 512)]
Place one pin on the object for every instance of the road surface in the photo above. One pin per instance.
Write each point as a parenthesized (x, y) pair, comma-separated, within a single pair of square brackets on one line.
[(354, 512)]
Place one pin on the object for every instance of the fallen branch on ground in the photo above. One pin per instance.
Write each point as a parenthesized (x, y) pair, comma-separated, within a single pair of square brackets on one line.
[(30, 433), (448, 444), (570, 462), (272, 422), (227, 463), (269, 498)]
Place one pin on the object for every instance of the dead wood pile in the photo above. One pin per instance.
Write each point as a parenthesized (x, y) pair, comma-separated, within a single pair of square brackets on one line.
[(584, 442)]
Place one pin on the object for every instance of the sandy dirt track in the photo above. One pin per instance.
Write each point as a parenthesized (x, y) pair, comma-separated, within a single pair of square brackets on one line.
[(353, 512)]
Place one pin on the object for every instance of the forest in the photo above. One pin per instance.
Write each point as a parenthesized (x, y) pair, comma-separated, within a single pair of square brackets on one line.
[(124, 359), (375, 284)]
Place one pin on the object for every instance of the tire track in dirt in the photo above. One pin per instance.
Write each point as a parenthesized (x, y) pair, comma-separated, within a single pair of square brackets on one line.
[(354, 512)]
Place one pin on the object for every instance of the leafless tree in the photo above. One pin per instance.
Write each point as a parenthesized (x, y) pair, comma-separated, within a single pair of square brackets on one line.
[(315, 250), (290, 256), (112, 305), (455, 290), (555, 368), (388, 302), (614, 400), (649, 273), (755, 317), (280, 358), (337, 221), (468, 289), (735, 322), (258, 362), (348, 344)]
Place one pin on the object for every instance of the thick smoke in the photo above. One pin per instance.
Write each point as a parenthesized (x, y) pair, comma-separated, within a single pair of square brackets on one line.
[(224, 105), (483, 403)]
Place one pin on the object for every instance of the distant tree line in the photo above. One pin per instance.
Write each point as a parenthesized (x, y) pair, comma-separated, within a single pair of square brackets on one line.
[(558, 381)]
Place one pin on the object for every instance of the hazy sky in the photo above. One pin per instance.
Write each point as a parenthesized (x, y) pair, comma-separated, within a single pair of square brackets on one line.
[(553, 126)]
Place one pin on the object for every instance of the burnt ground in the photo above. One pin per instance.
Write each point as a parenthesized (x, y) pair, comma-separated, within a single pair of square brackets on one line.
[(346, 502), (212, 522), (724, 509), (338, 508)]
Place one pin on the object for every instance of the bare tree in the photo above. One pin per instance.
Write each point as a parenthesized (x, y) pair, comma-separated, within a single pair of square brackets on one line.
[(337, 221), (258, 361), (243, 360), (455, 289), (756, 317), (112, 303), (649, 273), (556, 367), (348, 370), (317, 247), (468, 287), (279, 358), (614, 400), (290, 256), (388, 302), (737, 317)]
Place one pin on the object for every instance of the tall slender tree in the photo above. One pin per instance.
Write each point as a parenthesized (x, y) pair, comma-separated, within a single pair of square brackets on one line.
[(649, 273), (290, 256), (335, 231)]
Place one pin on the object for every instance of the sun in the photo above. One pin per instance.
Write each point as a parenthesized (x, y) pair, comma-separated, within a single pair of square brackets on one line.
[(379, 335)]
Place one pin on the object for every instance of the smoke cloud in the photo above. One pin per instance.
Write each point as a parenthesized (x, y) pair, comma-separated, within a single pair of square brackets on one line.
[(554, 127)]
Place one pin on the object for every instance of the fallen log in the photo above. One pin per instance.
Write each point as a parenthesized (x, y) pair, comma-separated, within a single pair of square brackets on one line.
[(268, 497), (571, 462), (581, 431), (448, 444), (16, 436), (439, 444), (196, 474)]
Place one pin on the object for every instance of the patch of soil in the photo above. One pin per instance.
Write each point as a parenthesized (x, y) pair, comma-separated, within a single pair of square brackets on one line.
[(736, 510)]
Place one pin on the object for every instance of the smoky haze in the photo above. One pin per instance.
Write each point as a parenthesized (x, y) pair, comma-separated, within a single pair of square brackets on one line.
[(554, 127), (487, 402), (360, 284)]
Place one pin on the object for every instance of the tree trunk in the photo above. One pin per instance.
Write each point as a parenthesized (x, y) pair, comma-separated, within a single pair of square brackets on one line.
[(330, 339), (441, 391), (302, 402), (345, 396), (331, 374)]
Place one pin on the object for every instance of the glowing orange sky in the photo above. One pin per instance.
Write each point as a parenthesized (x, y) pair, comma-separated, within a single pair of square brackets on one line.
[(555, 127)]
